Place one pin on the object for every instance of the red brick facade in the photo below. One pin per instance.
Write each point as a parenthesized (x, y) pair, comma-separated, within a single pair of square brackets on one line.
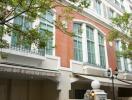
[(64, 43)]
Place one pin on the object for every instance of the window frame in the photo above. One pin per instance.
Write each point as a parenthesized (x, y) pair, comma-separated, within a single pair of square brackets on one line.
[(78, 53), (24, 20), (98, 7), (46, 22), (102, 53), (90, 50)]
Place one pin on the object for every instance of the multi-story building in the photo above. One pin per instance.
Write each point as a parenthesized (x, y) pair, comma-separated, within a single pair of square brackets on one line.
[(67, 70)]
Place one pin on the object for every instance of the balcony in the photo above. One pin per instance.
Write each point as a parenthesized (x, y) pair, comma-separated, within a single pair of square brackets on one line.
[(30, 57), (81, 68), (25, 52)]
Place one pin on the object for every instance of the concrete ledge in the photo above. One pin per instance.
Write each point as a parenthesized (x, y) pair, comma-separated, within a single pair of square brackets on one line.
[(94, 70), (128, 76), (76, 67)]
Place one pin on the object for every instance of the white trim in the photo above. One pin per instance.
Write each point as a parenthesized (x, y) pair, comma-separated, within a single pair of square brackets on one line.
[(129, 64), (96, 46), (54, 57), (97, 68), (59, 63), (122, 64), (89, 24), (54, 32), (84, 43), (106, 54), (76, 62), (65, 69), (98, 18)]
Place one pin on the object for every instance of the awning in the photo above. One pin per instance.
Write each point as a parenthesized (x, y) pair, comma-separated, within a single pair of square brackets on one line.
[(25, 71), (104, 80)]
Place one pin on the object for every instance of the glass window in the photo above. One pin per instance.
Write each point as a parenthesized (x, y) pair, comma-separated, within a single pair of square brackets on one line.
[(126, 64), (77, 41), (117, 3), (101, 50), (98, 6), (90, 45), (118, 58), (111, 13), (117, 44), (47, 23), (122, 7), (24, 24)]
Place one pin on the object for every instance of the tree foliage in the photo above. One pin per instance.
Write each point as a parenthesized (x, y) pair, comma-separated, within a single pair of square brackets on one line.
[(122, 30), (33, 9)]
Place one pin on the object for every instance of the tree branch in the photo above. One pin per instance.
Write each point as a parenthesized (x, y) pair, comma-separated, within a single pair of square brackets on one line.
[(13, 28), (60, 27), (28, 8), (11, 11)]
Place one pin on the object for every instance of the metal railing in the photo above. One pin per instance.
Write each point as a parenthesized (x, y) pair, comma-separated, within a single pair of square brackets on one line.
[(23, 49)]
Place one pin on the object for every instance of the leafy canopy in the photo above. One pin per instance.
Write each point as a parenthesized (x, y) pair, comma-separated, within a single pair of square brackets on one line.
[(123, 32), (11, 9)]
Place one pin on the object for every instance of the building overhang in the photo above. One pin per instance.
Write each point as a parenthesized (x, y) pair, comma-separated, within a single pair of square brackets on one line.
[(106, 81), (23, 72)]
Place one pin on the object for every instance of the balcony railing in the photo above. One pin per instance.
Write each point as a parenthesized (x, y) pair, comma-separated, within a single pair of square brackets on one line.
[(24, 50)]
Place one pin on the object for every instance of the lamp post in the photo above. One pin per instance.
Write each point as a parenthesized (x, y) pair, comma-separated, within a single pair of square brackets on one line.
[(112, 75)]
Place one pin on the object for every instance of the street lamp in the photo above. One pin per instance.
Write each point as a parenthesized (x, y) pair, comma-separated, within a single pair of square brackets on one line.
[(92, 94), (112, 75)]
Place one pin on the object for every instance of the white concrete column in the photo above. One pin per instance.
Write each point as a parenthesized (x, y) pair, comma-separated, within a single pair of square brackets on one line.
[(64, 85), (121, 58), (84, 43), (97, 54), (54, 18), (129, 64), (122, 63), (106, 55), (63, 94)]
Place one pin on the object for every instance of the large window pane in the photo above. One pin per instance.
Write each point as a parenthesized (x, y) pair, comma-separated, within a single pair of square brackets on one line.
[(118, 58), (46, 23), (98, 6), (101, 50), (126, 64), (90, 45), (23, 24), (77, 42)]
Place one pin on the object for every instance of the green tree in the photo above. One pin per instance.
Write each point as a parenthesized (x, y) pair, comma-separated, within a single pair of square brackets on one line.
[(11, 9), (122, 30)]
